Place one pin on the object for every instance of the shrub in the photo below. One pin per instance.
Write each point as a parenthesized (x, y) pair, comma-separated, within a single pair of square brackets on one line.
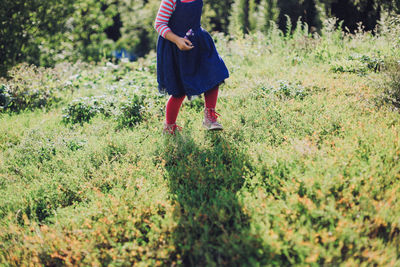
[(4, 97), (32, 87), (357, 63), (287, 90), (127, 112), (85, 108), (131, 111), (372, 63)]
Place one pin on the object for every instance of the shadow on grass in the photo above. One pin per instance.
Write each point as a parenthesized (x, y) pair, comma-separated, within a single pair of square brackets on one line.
[(212, 228)]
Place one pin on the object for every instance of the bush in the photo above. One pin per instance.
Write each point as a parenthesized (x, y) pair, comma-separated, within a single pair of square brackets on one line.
[(127, 112), (131, 111), (32, 87), (5, 98), (372, 63), (85, 108), (137, 31), (357, 63), (46, 32), (287, 90)]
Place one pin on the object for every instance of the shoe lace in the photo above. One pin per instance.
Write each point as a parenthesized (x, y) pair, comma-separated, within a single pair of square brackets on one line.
[(212, 115)]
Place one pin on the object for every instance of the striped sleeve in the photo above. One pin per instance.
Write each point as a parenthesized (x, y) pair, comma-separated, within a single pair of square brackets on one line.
[(167, 7)]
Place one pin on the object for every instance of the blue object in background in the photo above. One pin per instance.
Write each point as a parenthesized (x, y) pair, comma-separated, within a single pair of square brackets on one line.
[(122, 53)]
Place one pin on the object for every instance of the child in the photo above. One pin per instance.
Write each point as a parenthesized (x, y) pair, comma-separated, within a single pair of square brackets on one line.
[(188, 63)]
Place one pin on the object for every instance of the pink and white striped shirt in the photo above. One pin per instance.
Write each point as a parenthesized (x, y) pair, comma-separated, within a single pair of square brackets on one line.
[(167, 7)]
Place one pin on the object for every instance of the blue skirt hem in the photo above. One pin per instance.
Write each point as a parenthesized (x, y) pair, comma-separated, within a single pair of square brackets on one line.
[(164, 90)]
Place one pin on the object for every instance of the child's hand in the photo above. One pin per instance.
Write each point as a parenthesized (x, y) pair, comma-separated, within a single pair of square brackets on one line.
[(184, 44)]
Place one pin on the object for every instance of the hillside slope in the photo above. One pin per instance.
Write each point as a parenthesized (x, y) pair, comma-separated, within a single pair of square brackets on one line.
[(306, 171)]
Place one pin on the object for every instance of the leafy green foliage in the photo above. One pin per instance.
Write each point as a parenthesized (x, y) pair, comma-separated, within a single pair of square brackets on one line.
[(289, 90), (214, 17), (83, 36), (305, 11), (131, 111), (266, 14), (84, 109), (127, 112), (24, 25), (138, 17), (357, 63), (354, 12), (5, 98), (46, 32), (239, 22), (32, 87)]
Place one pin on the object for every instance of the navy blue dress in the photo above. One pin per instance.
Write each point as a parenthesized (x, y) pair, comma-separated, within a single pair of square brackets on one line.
[(191, 72)]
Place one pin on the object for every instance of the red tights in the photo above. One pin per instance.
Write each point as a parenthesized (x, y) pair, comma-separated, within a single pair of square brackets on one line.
[(174, 104)]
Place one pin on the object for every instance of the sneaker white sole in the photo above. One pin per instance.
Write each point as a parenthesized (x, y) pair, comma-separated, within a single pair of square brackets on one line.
[(212, 128)]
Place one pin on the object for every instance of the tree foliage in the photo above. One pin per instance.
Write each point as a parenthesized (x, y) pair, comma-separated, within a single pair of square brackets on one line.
[(83, 35), (137, 17), (44, 32), (215, 16), (23, 22)]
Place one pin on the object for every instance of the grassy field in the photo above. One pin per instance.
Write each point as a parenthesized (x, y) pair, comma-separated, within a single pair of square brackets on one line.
[(306, 172)]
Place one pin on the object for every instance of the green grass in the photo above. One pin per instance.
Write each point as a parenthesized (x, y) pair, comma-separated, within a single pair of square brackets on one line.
[(306, 171)]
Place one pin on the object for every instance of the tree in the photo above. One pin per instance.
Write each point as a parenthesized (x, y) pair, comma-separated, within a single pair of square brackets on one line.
[(43, 32), (84, 34), (239, 21), (306, 10), (351, 12), (266, 13), (138, 17), (22, 22), (216, 15)]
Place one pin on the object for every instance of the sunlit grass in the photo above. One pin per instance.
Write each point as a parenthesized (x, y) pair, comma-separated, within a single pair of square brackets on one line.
[(306, 178)]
